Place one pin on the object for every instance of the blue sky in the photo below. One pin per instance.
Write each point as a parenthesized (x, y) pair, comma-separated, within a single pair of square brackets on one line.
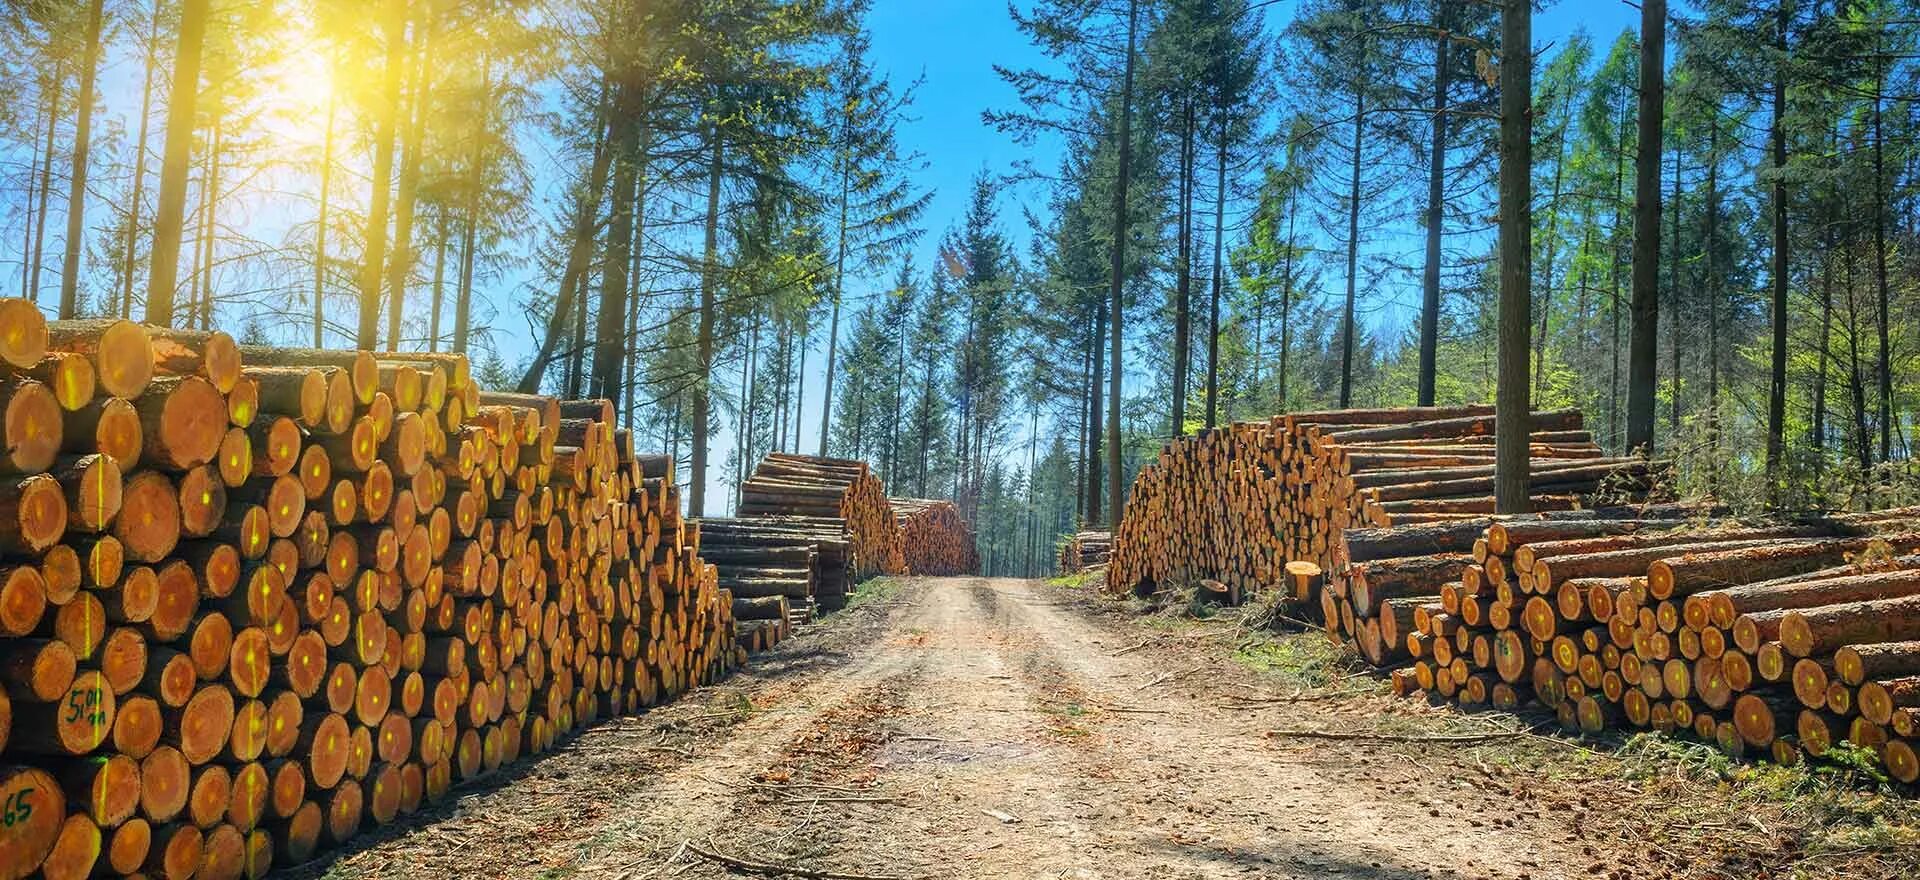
[(952, 45)]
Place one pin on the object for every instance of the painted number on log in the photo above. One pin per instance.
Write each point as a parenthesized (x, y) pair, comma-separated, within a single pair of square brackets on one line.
[(18, 808), (83, 704)]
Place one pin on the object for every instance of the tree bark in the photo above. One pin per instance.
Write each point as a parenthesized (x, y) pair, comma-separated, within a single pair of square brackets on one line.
[(1514, 414), (839, 289), (77, 185), (629, 154), (400, 265), (1116, 493), (375, 243), (1219, 273), (1644, 334), (1436, 211), (1777, 392), (320, 231), (1353, 249), (1183, 280), (56, 92), (709, 284), (139, 166), (1881, 298)]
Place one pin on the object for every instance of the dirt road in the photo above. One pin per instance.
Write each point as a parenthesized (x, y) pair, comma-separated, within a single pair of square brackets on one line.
[(966, 727)]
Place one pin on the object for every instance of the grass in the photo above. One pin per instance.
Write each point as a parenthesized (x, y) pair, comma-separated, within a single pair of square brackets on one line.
[(1085, 580), (878, 589), (1299, 661)]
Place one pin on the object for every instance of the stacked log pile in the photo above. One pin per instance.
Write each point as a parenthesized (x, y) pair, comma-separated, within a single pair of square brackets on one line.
[(1256, 505), (787, 485), (935, 539), (253, 601), (782, 571), (1084, 550), (1776, 638)]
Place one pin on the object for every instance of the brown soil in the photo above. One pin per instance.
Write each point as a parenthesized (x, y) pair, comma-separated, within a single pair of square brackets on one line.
[(969, 727)]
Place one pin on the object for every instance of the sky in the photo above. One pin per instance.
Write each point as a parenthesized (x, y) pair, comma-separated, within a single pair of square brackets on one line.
[(951, 47)]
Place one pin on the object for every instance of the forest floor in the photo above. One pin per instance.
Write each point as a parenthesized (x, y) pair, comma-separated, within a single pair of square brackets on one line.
[(974, 727)]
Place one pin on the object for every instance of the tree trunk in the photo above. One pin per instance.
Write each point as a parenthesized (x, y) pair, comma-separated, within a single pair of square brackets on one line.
[(1673, 329), (139, 165), (1514, 420), (1219, 274), (463, 297), (57, 91), (839, 288), (400, 266), (1096, 500), (77, 185), (1644, 342), (1709, 238), (1777, 392), (439, 282), (1183, 281), (1436, 211), (709, 282), (1862, 444), (1116, 493), (1614, 437), (629, 155), (320, 230), (1553, 241), (375, 243), (1353, 250), (1286, 298), (1881, 298)]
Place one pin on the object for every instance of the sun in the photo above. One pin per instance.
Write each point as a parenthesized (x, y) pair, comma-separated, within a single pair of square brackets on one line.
[(299, 90)]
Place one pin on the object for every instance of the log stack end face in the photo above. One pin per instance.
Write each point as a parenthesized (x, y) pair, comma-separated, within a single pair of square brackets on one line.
[(253, 599)]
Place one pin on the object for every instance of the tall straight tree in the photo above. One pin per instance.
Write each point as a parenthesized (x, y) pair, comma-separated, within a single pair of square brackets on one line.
[(1644, 334), (1777, 135), (1116, 487), (876, 206), (169, 219), (1436, 205), (1514, 411), (386, 120), (77, 179)]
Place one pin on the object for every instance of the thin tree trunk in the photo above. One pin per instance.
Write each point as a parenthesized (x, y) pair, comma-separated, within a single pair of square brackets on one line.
[(1219, 273), (400, 265), (800, 389), (1096, 499), (375, 243), (1553, 242), (140, 165), (1116, 492), (1183, 283), (77, 185), (1614, 436), (1882, 297), (1710, 238), (629, 155), (1777, 392), (586, 215), (1286, 297), (1436, 210), (463, 298), (709, 282), (1644, 335), (839, 289), (439, 279), (1513, 422), (1673, 330), (209, 231), (57, 92), (320, 230), (1353, 250), (1862, 442)]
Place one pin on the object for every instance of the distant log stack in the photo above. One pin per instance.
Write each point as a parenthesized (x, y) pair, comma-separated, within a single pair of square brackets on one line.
[(807, 563), (1777, 638), (934, 538), (253, 600), (786, 485), (1085, 550), (1259, 506)]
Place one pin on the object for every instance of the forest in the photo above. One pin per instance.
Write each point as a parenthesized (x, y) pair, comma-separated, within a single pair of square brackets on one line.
[(1700, 229)]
